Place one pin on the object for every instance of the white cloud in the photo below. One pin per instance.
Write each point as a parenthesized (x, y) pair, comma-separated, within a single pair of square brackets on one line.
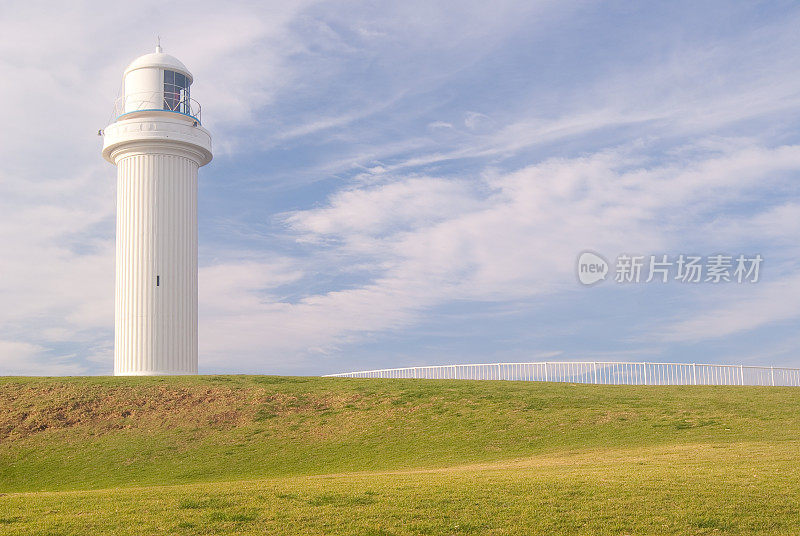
[(751, 307), (374, 211), (20, 358), (477, 121)]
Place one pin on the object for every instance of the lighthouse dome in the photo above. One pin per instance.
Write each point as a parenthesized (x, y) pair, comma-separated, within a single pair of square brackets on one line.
[(159, 60)]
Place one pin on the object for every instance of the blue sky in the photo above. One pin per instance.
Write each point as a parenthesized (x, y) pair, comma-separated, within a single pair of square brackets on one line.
[(411, 183)]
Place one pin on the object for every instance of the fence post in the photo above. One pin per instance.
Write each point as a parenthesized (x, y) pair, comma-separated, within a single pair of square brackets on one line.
[(499, 371), (645, 372), (772, 374), (741, 375), (595, 371), (694, 373), (545, 372)]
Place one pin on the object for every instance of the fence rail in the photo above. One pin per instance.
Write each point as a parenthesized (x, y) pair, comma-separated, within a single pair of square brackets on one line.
[(597, 372)]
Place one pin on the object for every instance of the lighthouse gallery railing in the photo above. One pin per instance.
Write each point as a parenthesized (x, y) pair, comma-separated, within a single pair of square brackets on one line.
[(156, 101)]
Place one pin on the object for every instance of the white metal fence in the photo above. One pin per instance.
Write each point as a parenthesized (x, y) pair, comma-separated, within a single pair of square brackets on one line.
[(599, 372)]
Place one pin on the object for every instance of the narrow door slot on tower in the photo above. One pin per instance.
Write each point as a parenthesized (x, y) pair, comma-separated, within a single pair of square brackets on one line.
[(157, 143)]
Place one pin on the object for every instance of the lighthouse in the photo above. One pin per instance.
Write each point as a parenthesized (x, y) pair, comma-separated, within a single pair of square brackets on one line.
[(158, 144)]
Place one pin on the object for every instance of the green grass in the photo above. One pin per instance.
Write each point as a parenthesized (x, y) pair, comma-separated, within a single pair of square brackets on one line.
[(269, 455)]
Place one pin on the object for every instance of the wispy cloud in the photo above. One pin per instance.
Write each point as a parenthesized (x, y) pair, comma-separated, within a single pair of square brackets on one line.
[(511, 236), (756, 306)]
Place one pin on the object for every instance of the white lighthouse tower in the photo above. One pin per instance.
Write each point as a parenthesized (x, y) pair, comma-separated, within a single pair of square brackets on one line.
[(157, 143)]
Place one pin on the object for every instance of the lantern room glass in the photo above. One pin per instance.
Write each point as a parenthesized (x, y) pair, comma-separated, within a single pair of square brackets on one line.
[(176, 92)]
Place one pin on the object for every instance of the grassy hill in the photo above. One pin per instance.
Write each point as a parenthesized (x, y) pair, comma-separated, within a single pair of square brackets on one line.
[(272, 455)]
